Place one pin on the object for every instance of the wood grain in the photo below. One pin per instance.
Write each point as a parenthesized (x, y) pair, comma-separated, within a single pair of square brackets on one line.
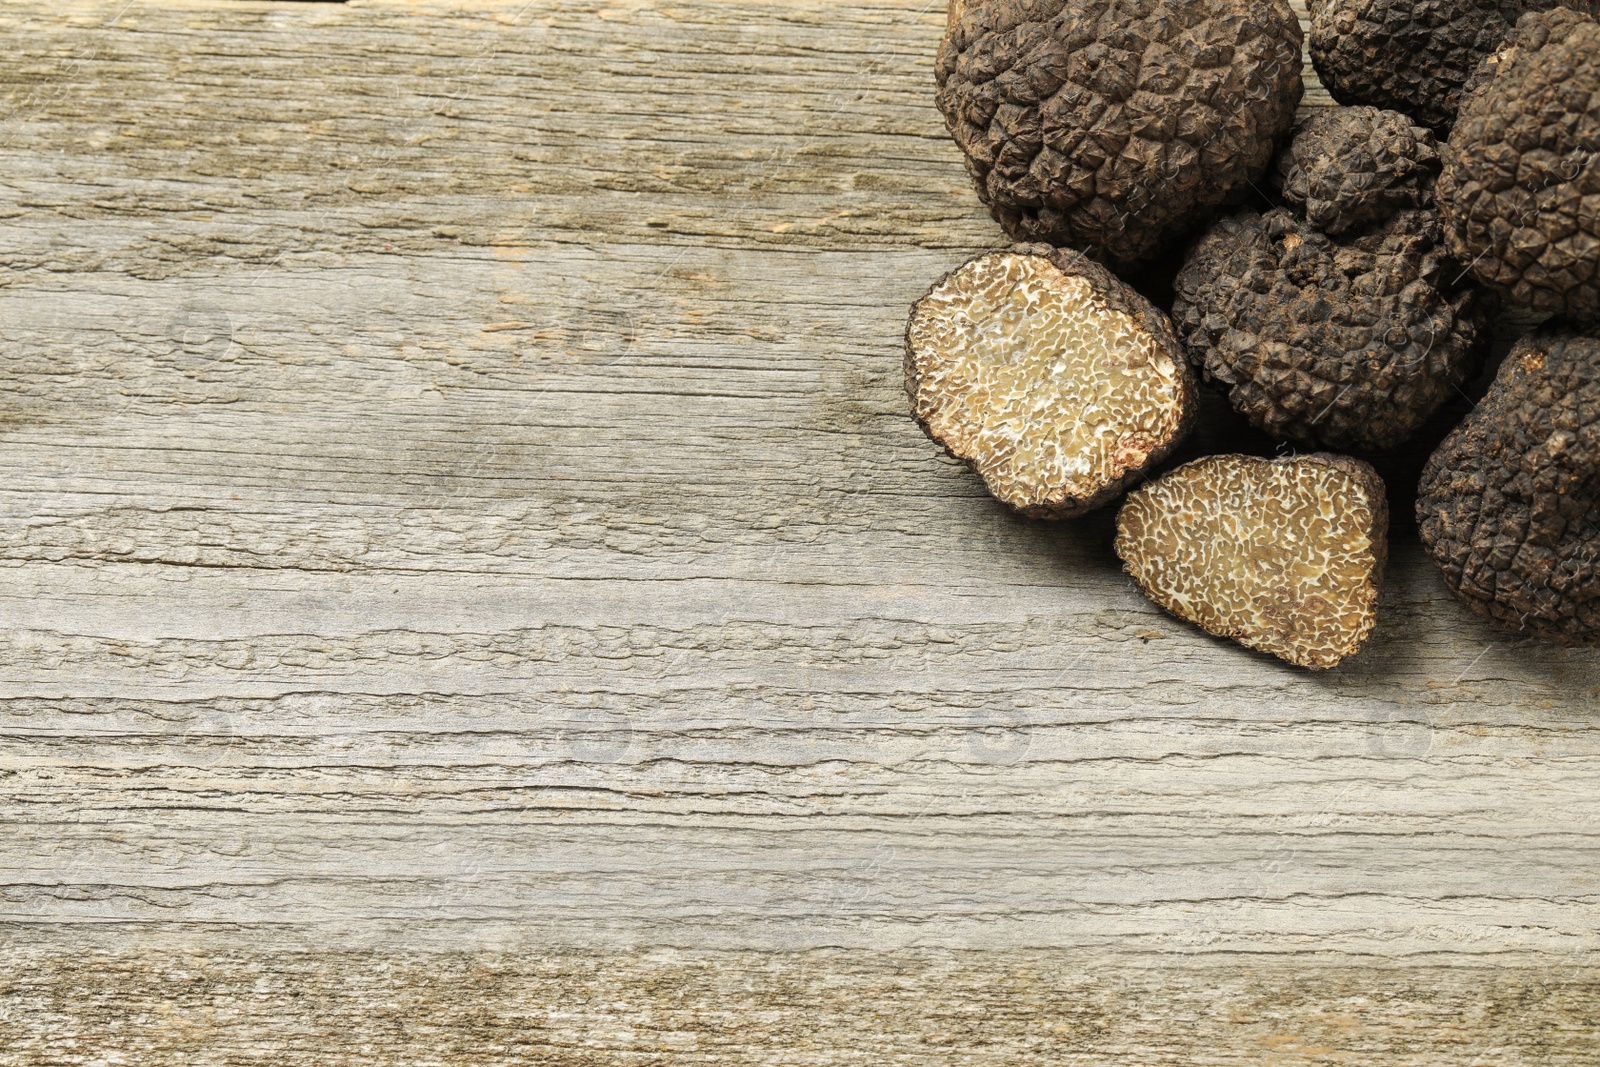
[(460, 499), (824, 1007)]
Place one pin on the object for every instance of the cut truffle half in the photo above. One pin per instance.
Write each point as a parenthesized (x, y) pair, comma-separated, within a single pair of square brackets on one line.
[(1285, 556), (1055, 381), (1509, 503), (1352, 167), (1347, 343), (1412, 56), (1520, 191), (1114, 125)]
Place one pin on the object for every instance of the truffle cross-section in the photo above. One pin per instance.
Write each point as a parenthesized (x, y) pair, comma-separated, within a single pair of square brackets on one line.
[(1056, 382), (1284, 556)]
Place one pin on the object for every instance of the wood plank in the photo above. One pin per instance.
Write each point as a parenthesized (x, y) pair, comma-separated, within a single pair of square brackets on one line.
[(336, 1009), (460, 497)]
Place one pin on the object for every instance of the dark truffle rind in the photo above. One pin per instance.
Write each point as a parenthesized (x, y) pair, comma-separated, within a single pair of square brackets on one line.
[(1509, 503), (1051, 378), (1520, 191), (1351, 167), (1413, 56), (1347, 344), (1112, 125)]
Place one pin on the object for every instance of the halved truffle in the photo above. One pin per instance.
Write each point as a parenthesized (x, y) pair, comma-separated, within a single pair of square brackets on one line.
[(1351, 167), (1056, 382), (1509, 503), (1412, 55), (1340, 343), (1111, 125), (1520, 192), (1284, 556)]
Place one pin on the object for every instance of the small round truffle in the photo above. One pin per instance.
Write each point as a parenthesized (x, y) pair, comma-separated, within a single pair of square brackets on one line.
[(1348, 344), (1520, 192), (1509, 503), (1412, 55), (1056, 382), (1351, 167), (1111, 125), (1284, 556)]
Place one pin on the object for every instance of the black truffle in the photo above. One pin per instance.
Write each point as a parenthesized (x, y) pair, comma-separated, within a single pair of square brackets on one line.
[(1520, 192), (1412, 55), (1350, 167), (1509, 503), (1111, 125), (1057, 383), (1284, 556), (1342, 343)]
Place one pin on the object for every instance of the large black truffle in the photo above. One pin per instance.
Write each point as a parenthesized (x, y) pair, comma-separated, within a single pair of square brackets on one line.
[(1350, 167), (1509, 504), (1520, 192), (1339, 343), (1110, 125), (1412, 55)]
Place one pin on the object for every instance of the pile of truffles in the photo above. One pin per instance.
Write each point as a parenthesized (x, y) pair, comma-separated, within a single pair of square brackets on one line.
[(1337, 282)]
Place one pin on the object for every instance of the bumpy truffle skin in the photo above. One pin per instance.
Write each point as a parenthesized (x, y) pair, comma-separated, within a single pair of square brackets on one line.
[(1520, 192), (1111, 125), (1060, 385), (1352, 167), (1412, 55), (1509, 503), (1340, 344), (1284, 556)]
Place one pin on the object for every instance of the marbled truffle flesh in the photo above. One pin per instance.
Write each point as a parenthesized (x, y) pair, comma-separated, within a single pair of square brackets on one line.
[(1520, 192), (1112, 125), (1509, 503), (1284, 556), (1053, 380)]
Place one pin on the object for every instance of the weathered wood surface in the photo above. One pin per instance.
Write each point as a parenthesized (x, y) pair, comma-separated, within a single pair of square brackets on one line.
[(826, 1007), (459, 497)]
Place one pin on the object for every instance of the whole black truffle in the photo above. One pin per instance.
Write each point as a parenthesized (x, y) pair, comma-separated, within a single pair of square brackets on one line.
[(1345, 343), (1520, 192), (1350, 167), (1412, 55), (1509, 503), (1110, 125), (1056, 382)]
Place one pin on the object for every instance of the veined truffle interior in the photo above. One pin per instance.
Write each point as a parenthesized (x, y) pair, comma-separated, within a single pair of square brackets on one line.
[(1024, 371), (1276, 555)]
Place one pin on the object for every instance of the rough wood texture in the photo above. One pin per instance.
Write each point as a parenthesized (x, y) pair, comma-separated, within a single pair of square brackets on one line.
[(459, 496), (985, 1010)]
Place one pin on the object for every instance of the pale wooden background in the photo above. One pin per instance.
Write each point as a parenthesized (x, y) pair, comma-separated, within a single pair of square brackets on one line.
[(473, 594)]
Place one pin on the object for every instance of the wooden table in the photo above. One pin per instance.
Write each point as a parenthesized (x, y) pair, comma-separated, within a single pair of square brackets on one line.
[(473, 594)]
